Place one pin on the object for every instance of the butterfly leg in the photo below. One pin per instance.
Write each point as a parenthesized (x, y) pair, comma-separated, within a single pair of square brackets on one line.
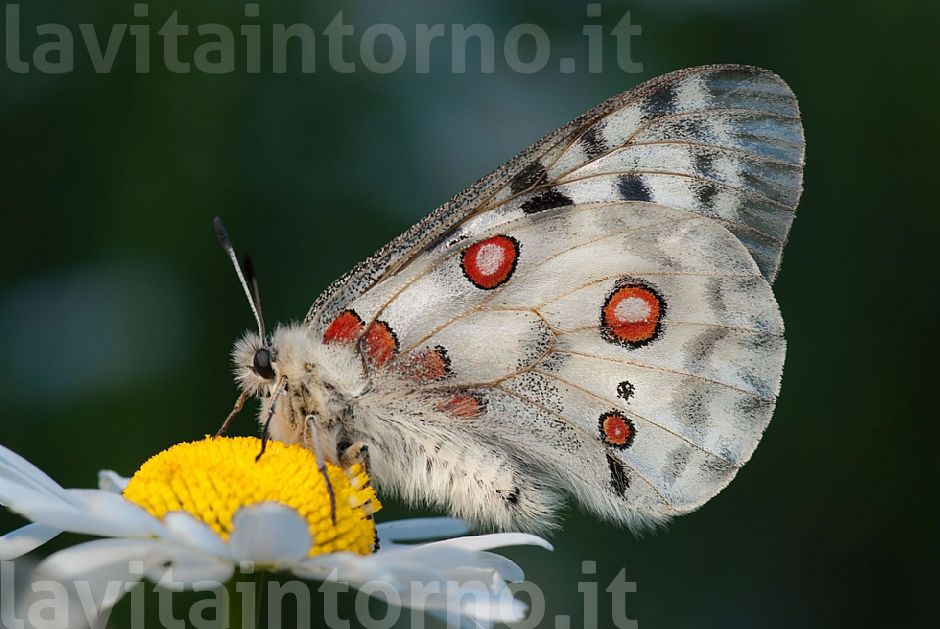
[(311, 421), (356, 453), (239, 405)]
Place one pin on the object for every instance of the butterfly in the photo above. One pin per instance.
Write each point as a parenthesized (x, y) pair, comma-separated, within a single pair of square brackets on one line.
[(594, 319)]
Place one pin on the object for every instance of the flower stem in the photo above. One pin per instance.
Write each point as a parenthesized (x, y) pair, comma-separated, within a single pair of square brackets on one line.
[(241, 613), (261, 579), (232, 616)]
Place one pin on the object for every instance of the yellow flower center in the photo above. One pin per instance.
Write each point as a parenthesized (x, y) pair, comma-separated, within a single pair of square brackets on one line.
[(212, 479)]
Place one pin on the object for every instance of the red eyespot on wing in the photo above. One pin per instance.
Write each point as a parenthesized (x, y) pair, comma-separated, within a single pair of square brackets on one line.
[(490, 263), (616, 430), (632, 315), (428, 365), (462, 405), (345, 328), (379, 343)]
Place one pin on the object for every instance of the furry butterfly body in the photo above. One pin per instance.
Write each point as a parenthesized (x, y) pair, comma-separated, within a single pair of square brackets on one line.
[(594, 319)]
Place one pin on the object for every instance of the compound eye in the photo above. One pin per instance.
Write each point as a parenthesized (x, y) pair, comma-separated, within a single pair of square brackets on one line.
[(262, 364)]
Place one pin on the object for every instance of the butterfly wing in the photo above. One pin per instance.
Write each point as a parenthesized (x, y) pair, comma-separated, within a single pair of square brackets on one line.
[(724, 141), (598, 311)]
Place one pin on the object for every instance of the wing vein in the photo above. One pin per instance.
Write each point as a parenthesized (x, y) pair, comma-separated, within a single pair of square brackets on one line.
[(639, 365)]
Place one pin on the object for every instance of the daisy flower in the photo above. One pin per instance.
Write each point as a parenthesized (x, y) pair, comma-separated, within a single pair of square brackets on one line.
[(199, 512)]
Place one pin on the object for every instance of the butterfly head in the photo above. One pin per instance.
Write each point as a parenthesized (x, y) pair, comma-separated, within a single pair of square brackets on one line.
[(256, 364), (261, 364)]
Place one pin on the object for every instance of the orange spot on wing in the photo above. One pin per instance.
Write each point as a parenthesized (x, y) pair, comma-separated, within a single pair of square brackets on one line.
[(462, 405), (632, 315), (490, 263), (428, 365), (379, 343), (345, 328), (617, 430)]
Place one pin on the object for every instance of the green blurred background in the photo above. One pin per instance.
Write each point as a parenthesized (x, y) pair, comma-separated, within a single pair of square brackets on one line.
[(117, 308)]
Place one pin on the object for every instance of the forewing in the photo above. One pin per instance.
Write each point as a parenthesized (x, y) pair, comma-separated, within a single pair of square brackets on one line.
[(722, 141)]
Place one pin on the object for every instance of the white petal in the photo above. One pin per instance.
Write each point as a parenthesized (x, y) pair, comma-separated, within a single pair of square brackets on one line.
[(357, 570), (471, 582), (109, 480), (24, 540), (476, 598), (419, 528), (452, 564), (187, 567), (75, 562), (88, 598), (96, 576), (494, 540), (506, 569), (188, 531), (23, 498), (438, 553), (64, 513), (101, 513), (269, 533), (21, 472), (87, 511), (497, 608), (172, 565)]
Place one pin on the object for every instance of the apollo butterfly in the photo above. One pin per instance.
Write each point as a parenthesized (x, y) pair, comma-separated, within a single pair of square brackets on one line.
[(594, 319)]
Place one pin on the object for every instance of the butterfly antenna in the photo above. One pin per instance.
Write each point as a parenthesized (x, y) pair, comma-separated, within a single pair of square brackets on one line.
[(249, 269), (251, 293)]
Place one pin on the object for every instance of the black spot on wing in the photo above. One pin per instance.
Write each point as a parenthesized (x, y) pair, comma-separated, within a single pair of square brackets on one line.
[(715, 294), (631, 187), (625, 390), (676, 463), (692, 127), (592, 142), (619, 480), (530, 176), (547, 200), (700, 350), (662, 102), (752, 408), (692, 406), (705, 194), (762, 341), (715, 468), (704, 164)]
